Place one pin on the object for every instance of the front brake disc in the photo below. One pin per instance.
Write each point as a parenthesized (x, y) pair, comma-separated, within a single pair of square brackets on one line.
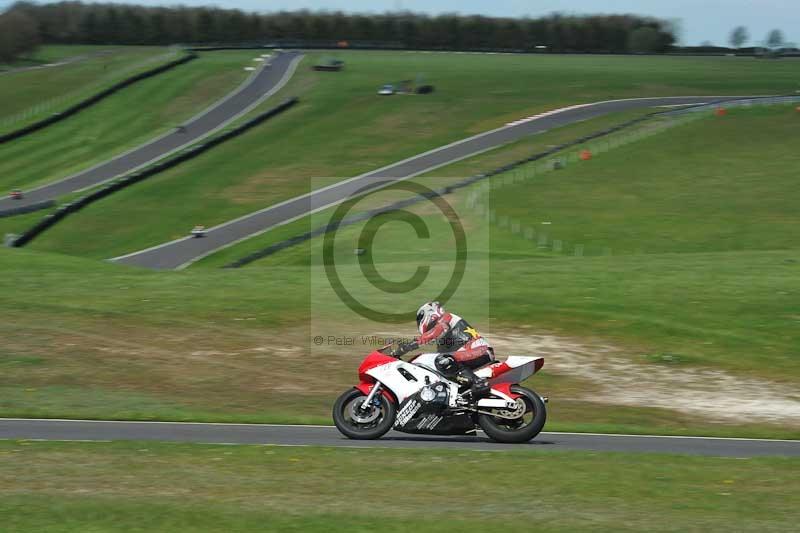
[(363, 416)]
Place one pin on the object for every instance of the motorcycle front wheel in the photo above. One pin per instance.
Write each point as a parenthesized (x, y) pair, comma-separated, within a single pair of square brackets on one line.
[(521, 429), (356, 422)]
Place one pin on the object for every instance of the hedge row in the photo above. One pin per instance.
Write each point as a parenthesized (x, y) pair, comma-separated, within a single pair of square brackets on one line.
[(92, 100), (126, 181), (277, 247)]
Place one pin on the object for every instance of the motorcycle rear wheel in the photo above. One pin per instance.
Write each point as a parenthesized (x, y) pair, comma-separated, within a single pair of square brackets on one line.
[(352, 429), (503, 430)]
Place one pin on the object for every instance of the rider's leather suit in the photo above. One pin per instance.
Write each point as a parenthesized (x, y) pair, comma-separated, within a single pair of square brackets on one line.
[(453, 335)]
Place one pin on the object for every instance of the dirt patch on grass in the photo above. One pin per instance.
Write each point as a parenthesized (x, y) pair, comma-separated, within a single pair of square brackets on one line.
[(235, 367), (618, 379)]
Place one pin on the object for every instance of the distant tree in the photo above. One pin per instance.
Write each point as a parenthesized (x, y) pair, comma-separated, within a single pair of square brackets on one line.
[(775, 39), (738, 37), (644, 39), (19, 35), (205, 26), (675, 27)]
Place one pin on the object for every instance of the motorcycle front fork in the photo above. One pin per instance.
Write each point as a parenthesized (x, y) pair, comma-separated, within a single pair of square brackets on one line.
[(371, 396)]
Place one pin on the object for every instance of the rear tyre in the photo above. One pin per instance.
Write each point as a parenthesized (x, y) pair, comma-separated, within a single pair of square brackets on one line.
[(363, 424), (519, 430)]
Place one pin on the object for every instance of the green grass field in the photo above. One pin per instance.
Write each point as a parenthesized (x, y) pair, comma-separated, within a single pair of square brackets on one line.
[(85, 339), (118, 123), (54, 53), (680, 316), (148, 486), (30, 95), (723, 184), (354, 130)]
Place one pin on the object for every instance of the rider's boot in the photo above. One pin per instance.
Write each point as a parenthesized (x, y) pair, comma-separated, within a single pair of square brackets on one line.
[(479, 387)]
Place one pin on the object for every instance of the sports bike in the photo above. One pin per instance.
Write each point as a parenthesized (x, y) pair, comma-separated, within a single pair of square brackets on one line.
[(414, 397)]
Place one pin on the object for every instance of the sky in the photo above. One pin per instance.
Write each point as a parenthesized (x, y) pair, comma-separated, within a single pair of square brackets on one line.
[(709, 20)]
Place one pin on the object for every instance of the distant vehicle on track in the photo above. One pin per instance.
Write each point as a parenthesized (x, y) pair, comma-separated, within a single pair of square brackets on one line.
[(386, 90), (199, 231), (329, 64), (16, 194)]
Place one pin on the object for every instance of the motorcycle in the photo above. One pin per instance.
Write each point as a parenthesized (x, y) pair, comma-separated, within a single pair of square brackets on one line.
[(414, 397)]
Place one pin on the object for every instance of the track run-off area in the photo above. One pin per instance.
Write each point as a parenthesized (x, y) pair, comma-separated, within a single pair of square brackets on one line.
[(296, 435)]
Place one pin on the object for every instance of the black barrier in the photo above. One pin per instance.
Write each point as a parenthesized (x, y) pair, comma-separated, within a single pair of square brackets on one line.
[(277, 247), (92, 100), (14, 211), (121, 183)]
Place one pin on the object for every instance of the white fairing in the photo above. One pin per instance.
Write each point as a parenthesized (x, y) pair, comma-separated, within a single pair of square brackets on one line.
[(391, 376), (427, 360)]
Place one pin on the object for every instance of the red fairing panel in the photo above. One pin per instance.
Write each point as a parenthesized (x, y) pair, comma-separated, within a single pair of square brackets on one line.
[(498, 368), (505, 388), (373, 360)]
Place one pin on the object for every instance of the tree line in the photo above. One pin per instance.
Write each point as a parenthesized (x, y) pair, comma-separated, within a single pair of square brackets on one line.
[(19, 35), (740, 36), (75, 22)]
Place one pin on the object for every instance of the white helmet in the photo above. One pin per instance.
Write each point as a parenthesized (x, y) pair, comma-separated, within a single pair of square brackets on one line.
[(427, 315)]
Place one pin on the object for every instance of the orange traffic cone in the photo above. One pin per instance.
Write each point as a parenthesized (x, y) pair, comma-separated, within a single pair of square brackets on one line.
[(721, 112), (586, 155)]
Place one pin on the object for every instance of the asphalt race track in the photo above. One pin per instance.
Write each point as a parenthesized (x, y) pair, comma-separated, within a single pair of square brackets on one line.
[(182, 252), (283, 435), (255, 89)]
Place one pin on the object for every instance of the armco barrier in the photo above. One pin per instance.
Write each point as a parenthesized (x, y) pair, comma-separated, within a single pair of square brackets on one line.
[(126, 181), (92, 100), (27, 209), (297, 239)]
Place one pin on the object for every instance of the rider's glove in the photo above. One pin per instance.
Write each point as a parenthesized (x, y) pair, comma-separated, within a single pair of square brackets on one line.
[(404, 347)]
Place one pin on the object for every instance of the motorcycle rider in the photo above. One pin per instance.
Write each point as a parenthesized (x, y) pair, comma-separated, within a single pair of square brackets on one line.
[(459, 346)]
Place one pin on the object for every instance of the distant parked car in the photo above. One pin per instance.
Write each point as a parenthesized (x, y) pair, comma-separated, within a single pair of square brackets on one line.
[(16, 194), (329, 64), (199, 231), (386, 90)]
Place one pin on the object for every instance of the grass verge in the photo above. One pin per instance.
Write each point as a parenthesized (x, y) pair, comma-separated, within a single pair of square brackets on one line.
[(132, 486)]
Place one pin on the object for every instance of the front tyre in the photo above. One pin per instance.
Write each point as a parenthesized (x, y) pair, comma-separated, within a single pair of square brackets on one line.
[(521, 429), (356, 421)]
